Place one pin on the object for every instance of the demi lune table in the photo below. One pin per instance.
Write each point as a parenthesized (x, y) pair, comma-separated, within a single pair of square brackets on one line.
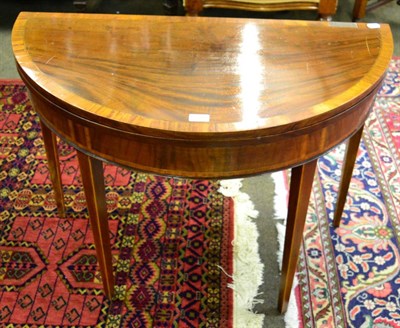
[(201, 98)]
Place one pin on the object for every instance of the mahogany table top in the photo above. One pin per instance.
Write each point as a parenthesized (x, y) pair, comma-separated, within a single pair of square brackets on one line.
[(239, 74), (206, 86)]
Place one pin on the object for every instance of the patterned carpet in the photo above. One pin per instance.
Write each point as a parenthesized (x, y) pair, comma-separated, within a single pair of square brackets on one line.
[(170, 237), (350, 277)]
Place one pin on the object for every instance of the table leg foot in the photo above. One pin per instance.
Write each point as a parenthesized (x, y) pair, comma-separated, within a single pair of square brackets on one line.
[(93, 184), (299, 195), (348, 165), (50, 145)]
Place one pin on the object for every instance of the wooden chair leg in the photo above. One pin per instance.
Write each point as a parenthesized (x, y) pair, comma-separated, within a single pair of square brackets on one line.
[(50, 145), (193, 7), (348, 166), (326, 9), (93, 184), (359, 9), (299, 195)]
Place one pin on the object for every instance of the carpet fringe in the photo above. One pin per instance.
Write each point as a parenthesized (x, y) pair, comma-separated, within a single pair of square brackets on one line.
[(280, 209), (248, 269)]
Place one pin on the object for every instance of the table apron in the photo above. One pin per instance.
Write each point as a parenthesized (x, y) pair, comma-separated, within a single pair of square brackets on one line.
[(206, 158)]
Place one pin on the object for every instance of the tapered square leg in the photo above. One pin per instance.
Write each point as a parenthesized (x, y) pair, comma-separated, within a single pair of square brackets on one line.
[(299, 195), (93, 184), (348, 166), (50, 145)]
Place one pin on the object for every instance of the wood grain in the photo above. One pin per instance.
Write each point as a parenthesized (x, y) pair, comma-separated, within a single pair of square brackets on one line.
[(300, 190), (141, 76)]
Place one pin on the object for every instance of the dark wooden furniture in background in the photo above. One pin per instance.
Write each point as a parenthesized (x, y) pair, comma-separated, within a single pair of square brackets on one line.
[(199, 97), (325, 8), (86, 5), (361, 7), (170, 4)]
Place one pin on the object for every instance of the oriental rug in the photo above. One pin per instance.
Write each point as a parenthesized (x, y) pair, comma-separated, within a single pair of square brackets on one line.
[(171, 240), (350, 276)]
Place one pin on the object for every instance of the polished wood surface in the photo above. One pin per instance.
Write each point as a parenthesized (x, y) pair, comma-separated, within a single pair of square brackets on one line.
[(256, 79), (200, 97), (301, 181)]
